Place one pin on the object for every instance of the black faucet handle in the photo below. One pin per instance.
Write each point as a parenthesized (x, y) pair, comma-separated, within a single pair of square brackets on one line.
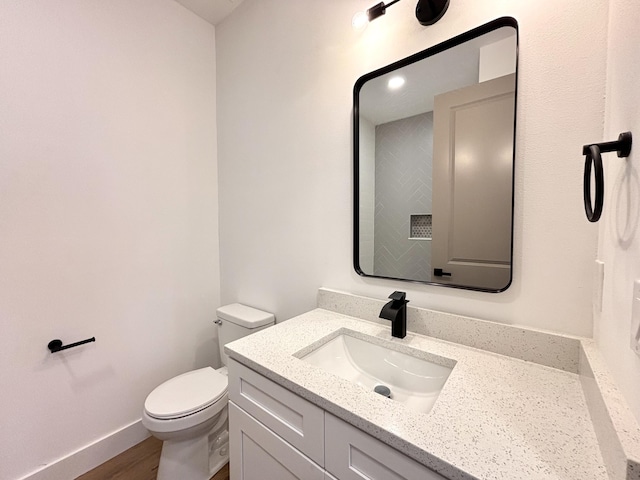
[(399, 296), (396, 311)]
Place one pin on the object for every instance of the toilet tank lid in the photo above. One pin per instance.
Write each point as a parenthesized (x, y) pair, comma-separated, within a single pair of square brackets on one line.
[(244, 316)]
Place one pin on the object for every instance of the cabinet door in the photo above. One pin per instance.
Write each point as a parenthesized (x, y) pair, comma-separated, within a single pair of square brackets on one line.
[(256, 453), (352, 454)]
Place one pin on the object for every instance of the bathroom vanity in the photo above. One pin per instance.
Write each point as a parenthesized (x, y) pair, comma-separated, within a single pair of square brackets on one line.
[(278, 434), (498, 415)]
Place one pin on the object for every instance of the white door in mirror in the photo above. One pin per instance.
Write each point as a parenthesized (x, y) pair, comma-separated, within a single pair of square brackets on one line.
[(635, 319)]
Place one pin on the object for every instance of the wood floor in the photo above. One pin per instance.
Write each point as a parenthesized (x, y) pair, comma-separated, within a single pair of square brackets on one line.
[(140, 462)]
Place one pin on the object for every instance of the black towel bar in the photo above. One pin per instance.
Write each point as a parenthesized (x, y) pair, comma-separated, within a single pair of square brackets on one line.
[(593, 157)]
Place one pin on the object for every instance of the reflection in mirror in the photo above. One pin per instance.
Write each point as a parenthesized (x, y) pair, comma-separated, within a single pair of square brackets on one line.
[(434, 153)]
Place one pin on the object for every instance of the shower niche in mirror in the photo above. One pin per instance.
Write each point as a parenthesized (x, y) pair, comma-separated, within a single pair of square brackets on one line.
[(434, 142)]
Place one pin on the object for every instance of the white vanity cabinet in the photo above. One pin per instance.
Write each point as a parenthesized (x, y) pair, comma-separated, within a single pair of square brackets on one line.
[(351, 454), (275, 434)]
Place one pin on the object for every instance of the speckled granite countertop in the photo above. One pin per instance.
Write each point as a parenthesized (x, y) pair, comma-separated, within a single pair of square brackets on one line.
[(497, 417)]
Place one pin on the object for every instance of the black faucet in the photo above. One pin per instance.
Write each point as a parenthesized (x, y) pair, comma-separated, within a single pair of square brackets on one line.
[(396, 311)]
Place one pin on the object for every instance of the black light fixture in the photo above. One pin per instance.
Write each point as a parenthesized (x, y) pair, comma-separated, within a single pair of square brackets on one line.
[(379, 10), (361, 19), (428, 12)]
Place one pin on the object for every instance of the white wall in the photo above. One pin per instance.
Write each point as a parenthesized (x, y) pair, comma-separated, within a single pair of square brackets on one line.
[(285, 77), (619, 240), (108, 216)]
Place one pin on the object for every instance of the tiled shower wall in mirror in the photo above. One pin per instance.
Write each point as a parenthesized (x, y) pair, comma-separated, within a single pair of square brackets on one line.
[(403, 159)]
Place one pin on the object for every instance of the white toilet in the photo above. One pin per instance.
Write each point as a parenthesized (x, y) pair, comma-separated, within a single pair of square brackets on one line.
[(189, 412)]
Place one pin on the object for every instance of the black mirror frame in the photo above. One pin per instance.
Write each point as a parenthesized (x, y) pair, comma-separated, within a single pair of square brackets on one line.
[(447, 44)]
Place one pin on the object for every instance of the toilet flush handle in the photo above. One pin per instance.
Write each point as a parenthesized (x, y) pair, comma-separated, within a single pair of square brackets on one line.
[(218, 322)]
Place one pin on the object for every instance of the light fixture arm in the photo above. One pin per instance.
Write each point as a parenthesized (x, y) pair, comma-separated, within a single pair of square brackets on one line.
[(379, 10)]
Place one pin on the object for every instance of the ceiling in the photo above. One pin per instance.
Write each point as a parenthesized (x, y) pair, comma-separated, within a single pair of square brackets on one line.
[(213, 11)]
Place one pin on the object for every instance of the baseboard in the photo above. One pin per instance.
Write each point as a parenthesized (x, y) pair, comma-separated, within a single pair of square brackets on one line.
[(92, 455)]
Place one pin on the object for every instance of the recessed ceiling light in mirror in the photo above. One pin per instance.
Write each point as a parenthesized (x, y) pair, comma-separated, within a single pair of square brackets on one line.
[(396, 82)]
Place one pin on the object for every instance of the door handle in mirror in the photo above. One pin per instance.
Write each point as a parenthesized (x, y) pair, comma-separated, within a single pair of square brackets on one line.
[(439, 273)]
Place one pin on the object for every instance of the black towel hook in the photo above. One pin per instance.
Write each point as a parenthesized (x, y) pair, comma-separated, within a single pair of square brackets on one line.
[(593, 156)]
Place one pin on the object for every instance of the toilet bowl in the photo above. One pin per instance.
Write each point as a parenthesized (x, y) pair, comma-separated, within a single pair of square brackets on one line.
[(189, 412)]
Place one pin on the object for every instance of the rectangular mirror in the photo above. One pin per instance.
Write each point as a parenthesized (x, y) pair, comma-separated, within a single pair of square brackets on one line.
[(434, 142)]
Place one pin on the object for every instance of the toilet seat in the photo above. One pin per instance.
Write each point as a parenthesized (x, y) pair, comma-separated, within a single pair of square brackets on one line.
[(186, 394)]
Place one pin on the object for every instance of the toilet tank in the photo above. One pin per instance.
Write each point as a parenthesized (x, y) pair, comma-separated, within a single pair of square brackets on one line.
[(236, 321)]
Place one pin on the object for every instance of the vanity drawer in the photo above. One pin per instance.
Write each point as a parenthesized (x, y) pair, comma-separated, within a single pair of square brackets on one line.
[(354, 455), (295, 419)]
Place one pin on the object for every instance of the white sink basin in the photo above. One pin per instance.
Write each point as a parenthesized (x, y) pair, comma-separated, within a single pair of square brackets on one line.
[(413, 381)]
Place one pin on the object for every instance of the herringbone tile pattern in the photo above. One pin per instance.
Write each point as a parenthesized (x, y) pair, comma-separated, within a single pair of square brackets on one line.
[(404, 151)]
